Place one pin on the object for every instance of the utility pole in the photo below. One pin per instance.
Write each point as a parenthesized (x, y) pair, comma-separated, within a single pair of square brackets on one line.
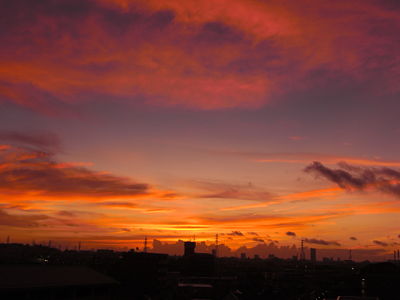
[(216, 245)]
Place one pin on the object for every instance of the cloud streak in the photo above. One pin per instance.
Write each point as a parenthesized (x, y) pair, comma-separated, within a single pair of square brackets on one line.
[(321, 242), (43, 141), (380, 243), (36, 174)]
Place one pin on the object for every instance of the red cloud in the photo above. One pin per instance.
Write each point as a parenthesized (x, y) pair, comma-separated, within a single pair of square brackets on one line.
[(199, 54)]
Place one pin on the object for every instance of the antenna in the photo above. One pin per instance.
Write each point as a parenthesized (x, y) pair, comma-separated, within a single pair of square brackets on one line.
[(145, 244)]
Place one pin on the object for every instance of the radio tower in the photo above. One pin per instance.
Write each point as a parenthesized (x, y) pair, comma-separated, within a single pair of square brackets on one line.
[(350, 256), (145, 244)]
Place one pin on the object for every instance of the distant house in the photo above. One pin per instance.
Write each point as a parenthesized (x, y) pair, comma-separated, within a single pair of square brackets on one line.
[(54, 282)]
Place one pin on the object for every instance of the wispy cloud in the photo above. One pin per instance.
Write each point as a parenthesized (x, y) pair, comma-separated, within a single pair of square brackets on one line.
[(293, 197), (380, 243), (223, 190), (36, 174), (24, 221), (44, 141), (305, 158)]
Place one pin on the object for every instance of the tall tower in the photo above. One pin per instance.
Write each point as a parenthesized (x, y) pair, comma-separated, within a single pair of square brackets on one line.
[(8, 239), (350, 255), (79, 246), (302, 254), (145, 245)]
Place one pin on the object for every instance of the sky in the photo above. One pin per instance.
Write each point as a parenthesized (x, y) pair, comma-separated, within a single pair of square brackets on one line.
[(267, 122)]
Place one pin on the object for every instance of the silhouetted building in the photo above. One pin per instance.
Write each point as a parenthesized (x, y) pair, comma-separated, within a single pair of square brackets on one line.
[(189, 248), (313, 255), (243, 255)]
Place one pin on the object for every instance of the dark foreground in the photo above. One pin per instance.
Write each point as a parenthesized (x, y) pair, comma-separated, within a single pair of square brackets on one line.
[(38, 272)]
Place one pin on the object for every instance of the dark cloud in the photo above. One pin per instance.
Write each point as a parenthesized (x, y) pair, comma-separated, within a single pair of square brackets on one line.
[(290, 233), (253, 233), (218, 32), (359, 178), (258, 240), (236, 233), (321, 242), (380, 243), (353, 238)]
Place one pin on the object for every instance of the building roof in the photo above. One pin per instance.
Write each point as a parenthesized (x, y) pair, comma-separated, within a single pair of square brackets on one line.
[(39, 276)]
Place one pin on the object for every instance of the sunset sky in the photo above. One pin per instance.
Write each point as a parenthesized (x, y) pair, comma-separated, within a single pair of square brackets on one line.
[(261, 120)]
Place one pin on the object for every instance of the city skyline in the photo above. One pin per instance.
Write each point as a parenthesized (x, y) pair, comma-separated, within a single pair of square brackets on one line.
[(261, 121)]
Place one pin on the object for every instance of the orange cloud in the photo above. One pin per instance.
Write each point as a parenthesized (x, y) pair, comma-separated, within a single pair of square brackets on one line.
[(34, 174)]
